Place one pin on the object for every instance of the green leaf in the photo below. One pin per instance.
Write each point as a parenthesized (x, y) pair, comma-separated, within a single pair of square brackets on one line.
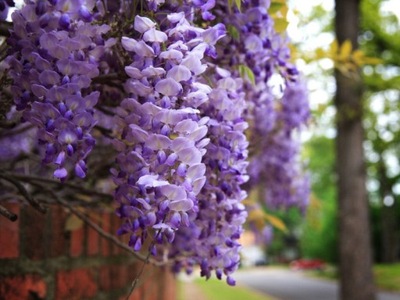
[(246, 73), (233, 32), (238, 4)]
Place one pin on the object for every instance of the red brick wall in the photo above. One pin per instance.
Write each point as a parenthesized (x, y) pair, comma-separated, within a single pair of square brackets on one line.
[(40, 259)]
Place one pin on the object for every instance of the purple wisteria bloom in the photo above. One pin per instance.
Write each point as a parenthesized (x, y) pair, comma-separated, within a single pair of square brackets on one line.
[(56, 52), (162, 135)]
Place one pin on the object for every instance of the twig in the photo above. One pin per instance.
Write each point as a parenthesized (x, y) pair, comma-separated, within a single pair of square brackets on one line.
[(8, 214), (18, 130), (25, 193), (5, 28), (83, 190), (137, 277), (101, 231)]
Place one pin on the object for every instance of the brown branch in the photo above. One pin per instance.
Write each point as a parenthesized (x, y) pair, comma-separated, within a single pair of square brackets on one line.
[(5, 28), (24, 193), (18, 130), (30, 178), (8, 214), (104, 234)]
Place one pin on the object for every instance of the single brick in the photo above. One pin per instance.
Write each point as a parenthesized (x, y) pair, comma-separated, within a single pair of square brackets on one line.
[(9, 233), (58, 234), (30, 286), (150, 288), (106, 226), (169, 283), (115, 225), (117, 281), (105, 278), (93, 237), (34, 224), (77, 242), (75, 285), (135, 295)]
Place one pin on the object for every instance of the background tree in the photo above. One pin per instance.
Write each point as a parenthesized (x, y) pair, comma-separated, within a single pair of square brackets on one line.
[(355, 255)]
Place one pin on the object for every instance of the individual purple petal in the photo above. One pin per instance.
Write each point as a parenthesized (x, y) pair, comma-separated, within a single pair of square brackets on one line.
[(168, 87), (198, 134), (181, 143), (253, 43), (85, 14), (181, 170), (138, 133), (48, 77), (60, 173), (154, 35), (186, 126), (196, 171), (143, 24), (173, 192), (151, 181), (67, 136), (172, 55), (193, 63), (176, 219), (169, 116), (198, 184), (213, 34), (152, 71), (38, 90), (176, 17), (190, 155), (171, 159), (60, 158), (79, 171), (197, 98), (136, 87), (230, 281), (158, 142), (140, 48), (181, 205), (179, 73)]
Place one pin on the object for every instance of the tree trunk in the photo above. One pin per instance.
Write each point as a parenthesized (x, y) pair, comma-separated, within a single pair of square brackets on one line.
[(389, 222), (355, 269)]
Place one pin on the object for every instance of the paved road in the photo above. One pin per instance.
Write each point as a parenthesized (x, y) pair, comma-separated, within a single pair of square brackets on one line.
[(292, 285)]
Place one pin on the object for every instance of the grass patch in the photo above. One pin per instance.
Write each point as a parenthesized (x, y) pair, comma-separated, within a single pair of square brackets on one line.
[(387, 276), (217, 290)]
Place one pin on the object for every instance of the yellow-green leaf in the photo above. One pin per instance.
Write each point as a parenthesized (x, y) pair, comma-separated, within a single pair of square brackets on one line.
[(345, 50), (238, 4), (73, 223), (280, 25), (233, 32), (333, 49), (275, 7), (275, 221), (372, 60), (246, 73)]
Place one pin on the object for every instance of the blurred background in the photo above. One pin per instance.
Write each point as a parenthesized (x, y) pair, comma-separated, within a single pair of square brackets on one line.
[(304, 246)]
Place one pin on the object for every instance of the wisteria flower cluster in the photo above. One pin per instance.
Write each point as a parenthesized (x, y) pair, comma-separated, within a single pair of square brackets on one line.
[(188, 108)]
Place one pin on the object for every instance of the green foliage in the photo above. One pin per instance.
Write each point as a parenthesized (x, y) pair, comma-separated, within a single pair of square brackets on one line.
[(217, 290), (246, 73), (319, 236), (388, 276)]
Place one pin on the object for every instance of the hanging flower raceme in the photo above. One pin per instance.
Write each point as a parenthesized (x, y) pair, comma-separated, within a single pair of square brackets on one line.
[(161, 133), (212, 237), (56, 52)]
